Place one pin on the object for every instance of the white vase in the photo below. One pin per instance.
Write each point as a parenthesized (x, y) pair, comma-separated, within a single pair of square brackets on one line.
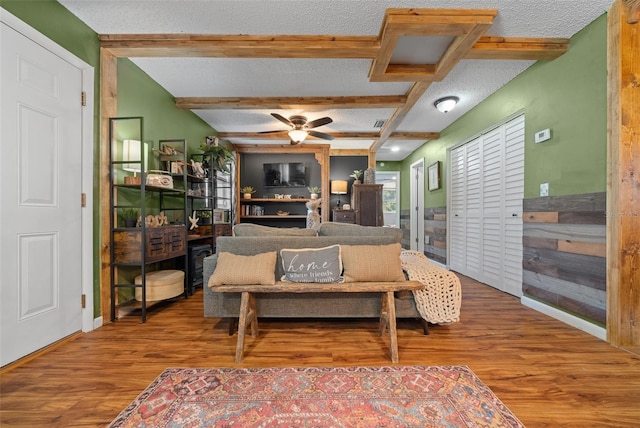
[(314, 196)]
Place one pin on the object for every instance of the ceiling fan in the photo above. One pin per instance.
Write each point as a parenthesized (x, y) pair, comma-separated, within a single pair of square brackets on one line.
[(300, 128)]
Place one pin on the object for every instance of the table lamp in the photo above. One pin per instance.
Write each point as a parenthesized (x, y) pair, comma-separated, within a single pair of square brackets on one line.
[(338, 187)]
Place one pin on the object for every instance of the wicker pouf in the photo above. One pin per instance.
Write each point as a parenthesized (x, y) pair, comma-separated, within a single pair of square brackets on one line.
[(161, 284)]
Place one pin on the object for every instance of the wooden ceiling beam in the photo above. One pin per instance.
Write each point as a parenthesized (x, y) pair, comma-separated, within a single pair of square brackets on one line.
[(287, 103), (337, 135), (240, 46), (518, 48), (414, 94), (181, 45), (349, 152)]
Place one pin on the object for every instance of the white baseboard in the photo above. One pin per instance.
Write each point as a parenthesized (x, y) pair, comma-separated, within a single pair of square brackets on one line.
[(97, 322), (565, 317)]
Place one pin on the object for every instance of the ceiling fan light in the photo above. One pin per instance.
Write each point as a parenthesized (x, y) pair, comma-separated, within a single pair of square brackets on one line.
[(446, 104), (297, 135)]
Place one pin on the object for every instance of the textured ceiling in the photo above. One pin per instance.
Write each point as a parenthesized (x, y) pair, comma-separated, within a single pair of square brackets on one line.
[(470, 80)]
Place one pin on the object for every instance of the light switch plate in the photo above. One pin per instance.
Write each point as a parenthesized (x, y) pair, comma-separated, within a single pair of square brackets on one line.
[(544, 189)]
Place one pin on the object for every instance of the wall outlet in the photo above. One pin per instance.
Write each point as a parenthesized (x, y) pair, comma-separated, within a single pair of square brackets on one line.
[(543, 135), (544, 189)]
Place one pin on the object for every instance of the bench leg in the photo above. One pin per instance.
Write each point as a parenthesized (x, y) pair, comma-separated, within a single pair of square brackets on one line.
[(393, 336), (248, 316), (388, 319), (384, 315)]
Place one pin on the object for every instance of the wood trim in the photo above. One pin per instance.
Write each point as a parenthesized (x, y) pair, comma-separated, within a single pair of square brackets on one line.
[(623, 201), (108, 109)]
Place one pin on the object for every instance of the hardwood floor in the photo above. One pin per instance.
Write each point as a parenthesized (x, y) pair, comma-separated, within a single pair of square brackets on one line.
[(547, 373)]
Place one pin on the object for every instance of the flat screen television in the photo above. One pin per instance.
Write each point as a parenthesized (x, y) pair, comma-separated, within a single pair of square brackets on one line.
[(285, 174)]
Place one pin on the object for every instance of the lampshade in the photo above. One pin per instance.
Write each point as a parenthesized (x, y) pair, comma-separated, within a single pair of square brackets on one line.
[(131, 153), (446, 104), (339, 187), (297, 135)]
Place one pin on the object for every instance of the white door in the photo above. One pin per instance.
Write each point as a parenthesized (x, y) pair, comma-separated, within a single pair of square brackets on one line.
[(40, 191), (485, 200), (416, 215)]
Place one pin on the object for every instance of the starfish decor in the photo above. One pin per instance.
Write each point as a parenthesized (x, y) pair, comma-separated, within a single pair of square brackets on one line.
[(193, 220)]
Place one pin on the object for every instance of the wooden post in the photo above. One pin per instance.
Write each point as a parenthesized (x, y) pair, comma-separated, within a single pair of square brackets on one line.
[(108, 109), (623, 177)]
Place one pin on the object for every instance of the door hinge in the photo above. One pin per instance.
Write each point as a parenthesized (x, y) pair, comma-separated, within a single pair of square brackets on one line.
[(84, 301), (83, 200), (83, 98)]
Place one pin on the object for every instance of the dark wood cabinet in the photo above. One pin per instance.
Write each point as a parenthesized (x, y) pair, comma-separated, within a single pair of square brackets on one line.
[(344, 216), (366, 201)]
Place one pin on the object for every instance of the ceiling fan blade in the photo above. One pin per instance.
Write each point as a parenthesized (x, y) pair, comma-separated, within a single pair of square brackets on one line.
[(282, 119), (274, 132), (321, 135), (319, 122)]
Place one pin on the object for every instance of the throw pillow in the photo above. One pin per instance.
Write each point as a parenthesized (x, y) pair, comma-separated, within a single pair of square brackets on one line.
[(366, 263), (234, 269), (312, 264)]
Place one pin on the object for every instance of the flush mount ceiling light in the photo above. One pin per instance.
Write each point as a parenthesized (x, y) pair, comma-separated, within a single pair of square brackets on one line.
[(446, 104)]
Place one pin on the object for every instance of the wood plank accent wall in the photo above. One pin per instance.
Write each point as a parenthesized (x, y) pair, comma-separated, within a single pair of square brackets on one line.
[(435, 232), (564, 258)]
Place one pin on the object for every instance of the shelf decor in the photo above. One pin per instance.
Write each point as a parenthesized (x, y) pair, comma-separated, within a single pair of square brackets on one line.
[(218, 157)]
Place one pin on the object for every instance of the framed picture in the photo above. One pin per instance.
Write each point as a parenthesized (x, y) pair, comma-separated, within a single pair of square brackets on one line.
[(434, 176), (218, 216)]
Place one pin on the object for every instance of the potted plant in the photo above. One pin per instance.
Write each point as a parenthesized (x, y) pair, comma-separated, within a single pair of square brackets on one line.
[(357, 173), (216, 155), (314, 190), (205, 216), (130, 216), (247, 191)]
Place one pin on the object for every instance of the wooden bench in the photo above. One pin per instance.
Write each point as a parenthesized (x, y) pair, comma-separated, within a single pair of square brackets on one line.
[(249, 314)]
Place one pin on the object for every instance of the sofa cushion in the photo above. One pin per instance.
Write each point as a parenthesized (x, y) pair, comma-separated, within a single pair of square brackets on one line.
[(372, 263), (249, 229), (312, 264), (233, 269), (346, 229)]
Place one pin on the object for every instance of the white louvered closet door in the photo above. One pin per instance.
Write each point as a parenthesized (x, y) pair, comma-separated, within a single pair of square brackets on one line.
[(487, 181), (457, 229), (513, 196)]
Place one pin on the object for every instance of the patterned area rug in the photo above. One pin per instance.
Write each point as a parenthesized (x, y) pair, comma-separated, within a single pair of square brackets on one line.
[(447, 396)]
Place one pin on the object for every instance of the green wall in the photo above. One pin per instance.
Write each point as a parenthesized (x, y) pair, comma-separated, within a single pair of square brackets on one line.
[(138, 95), (567, 95)]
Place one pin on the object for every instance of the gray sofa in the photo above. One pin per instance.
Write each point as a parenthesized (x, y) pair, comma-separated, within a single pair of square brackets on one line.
[(253, 239)]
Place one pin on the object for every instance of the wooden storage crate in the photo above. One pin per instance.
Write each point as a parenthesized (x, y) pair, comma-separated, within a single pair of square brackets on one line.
[(161, 243)]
